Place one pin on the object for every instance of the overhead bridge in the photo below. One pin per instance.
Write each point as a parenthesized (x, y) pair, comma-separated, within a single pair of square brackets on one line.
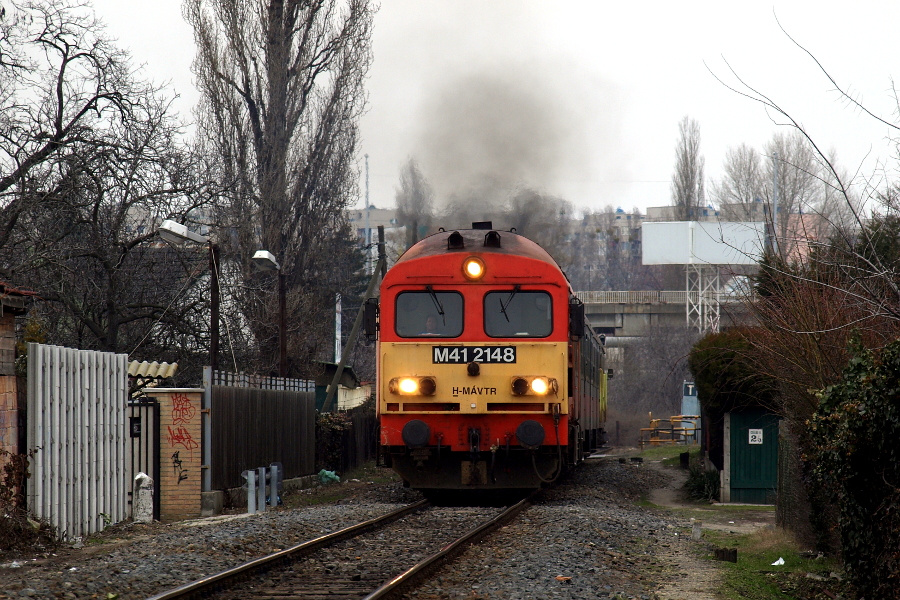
[(635, 314)]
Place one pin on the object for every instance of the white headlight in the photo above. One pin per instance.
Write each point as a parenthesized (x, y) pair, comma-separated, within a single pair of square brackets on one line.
[(539, 385), (409, 385), (473, 268)]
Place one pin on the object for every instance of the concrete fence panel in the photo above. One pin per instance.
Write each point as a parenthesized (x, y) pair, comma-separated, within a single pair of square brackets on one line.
[(77, 422)]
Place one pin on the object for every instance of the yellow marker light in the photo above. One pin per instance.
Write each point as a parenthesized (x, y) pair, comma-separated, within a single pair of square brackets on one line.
[(408, 385), (473, 268), (539, 385)]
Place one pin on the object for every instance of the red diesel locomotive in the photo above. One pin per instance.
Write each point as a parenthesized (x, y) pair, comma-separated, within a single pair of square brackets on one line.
[(488, 375)]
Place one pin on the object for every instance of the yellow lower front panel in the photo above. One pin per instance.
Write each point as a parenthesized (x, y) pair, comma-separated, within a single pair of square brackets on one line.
[(485, 388)]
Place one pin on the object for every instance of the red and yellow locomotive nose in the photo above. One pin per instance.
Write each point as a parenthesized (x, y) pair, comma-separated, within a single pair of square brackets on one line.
[(491, 315)]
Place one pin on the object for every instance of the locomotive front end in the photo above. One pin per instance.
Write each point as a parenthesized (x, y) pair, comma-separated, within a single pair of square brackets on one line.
[(474, 364)]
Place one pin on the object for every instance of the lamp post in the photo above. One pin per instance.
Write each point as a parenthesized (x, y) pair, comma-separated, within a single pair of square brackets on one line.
[(265, 260), (178, 234)]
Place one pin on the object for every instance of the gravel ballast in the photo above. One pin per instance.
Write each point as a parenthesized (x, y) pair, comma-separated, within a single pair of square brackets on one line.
[(586, 538)]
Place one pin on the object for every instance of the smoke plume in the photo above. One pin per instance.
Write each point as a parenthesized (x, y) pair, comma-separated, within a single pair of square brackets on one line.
[(487, 138)]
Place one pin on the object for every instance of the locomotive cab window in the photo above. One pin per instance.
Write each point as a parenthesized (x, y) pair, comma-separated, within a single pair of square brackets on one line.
[(517, 313), (429, 314)]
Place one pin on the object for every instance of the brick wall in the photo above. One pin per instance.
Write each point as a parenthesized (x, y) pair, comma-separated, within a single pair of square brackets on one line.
[(7, 344), (9, 416), (9, 413), (180, 453)]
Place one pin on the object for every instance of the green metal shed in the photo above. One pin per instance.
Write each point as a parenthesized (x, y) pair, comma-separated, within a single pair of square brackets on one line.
[(751, 457)]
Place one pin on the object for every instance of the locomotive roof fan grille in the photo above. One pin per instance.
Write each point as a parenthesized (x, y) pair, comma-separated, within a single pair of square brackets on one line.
[(455, 241)]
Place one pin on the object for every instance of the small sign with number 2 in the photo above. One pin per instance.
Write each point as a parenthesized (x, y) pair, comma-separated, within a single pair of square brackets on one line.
[(756, 436)]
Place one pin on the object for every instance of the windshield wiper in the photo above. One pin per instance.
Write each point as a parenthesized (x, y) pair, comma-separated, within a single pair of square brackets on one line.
[(437, 303), (503, 306)]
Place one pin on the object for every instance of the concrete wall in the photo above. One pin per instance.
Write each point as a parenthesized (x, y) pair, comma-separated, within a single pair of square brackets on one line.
[(638, 319), (629, 320)]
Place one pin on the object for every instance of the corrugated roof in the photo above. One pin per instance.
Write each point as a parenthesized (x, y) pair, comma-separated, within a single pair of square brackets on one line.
[(14, 300), (151, 370)]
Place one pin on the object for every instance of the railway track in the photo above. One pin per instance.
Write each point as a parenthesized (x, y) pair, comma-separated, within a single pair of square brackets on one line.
[(376, 559)]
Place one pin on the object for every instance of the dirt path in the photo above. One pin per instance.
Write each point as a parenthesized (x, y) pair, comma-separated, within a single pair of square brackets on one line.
[(692, 576)]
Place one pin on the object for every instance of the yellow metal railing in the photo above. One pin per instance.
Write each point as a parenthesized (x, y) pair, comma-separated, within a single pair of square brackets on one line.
[(678, 429), (648, 297)]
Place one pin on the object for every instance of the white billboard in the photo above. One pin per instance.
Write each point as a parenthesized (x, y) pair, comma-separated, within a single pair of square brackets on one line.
[(699, 243)]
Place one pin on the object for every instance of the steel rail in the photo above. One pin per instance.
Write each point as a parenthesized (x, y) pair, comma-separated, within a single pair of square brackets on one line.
[(205, 585), (398, 584)]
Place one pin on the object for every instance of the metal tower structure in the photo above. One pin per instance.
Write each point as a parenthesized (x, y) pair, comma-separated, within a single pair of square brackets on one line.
[(702, 283), (702, 247)]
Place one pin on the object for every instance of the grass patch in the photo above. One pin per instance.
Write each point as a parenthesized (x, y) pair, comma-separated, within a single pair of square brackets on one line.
[(718, 513), (669, 454), (351, 483), (644, 502), (754, 577), (370, 473), (736, 509), (316, 496)]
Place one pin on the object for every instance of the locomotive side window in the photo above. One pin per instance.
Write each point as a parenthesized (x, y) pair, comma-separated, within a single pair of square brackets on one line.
[(514, 313), (429, 314)]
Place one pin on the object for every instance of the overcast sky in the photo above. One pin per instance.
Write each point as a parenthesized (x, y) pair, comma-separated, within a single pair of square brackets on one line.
[(582, 98)]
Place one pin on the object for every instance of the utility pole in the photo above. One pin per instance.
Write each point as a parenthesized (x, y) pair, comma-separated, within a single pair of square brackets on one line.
[(368, 226), (377, 273), (282, 325), (337, 328), (214, 307)]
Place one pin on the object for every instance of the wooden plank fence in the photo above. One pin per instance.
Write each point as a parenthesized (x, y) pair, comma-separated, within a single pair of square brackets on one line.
[(253, 427)]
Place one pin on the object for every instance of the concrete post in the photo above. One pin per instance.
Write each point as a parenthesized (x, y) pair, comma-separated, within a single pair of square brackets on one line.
[(261, 490), (696, 529), (251, 491), (273, 485), (142, 511)]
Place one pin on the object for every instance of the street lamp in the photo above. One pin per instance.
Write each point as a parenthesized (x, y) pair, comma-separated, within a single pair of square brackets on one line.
[(265, 260), (178, 234)]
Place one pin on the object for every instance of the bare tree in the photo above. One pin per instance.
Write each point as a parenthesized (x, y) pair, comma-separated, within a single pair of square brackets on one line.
[(649, 379), (741, 187), (795, 172), (810, 204), (838, 209), (687, 181), (283, 89), (60, 81), (808, 313), (90, 162), (415, 201)]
